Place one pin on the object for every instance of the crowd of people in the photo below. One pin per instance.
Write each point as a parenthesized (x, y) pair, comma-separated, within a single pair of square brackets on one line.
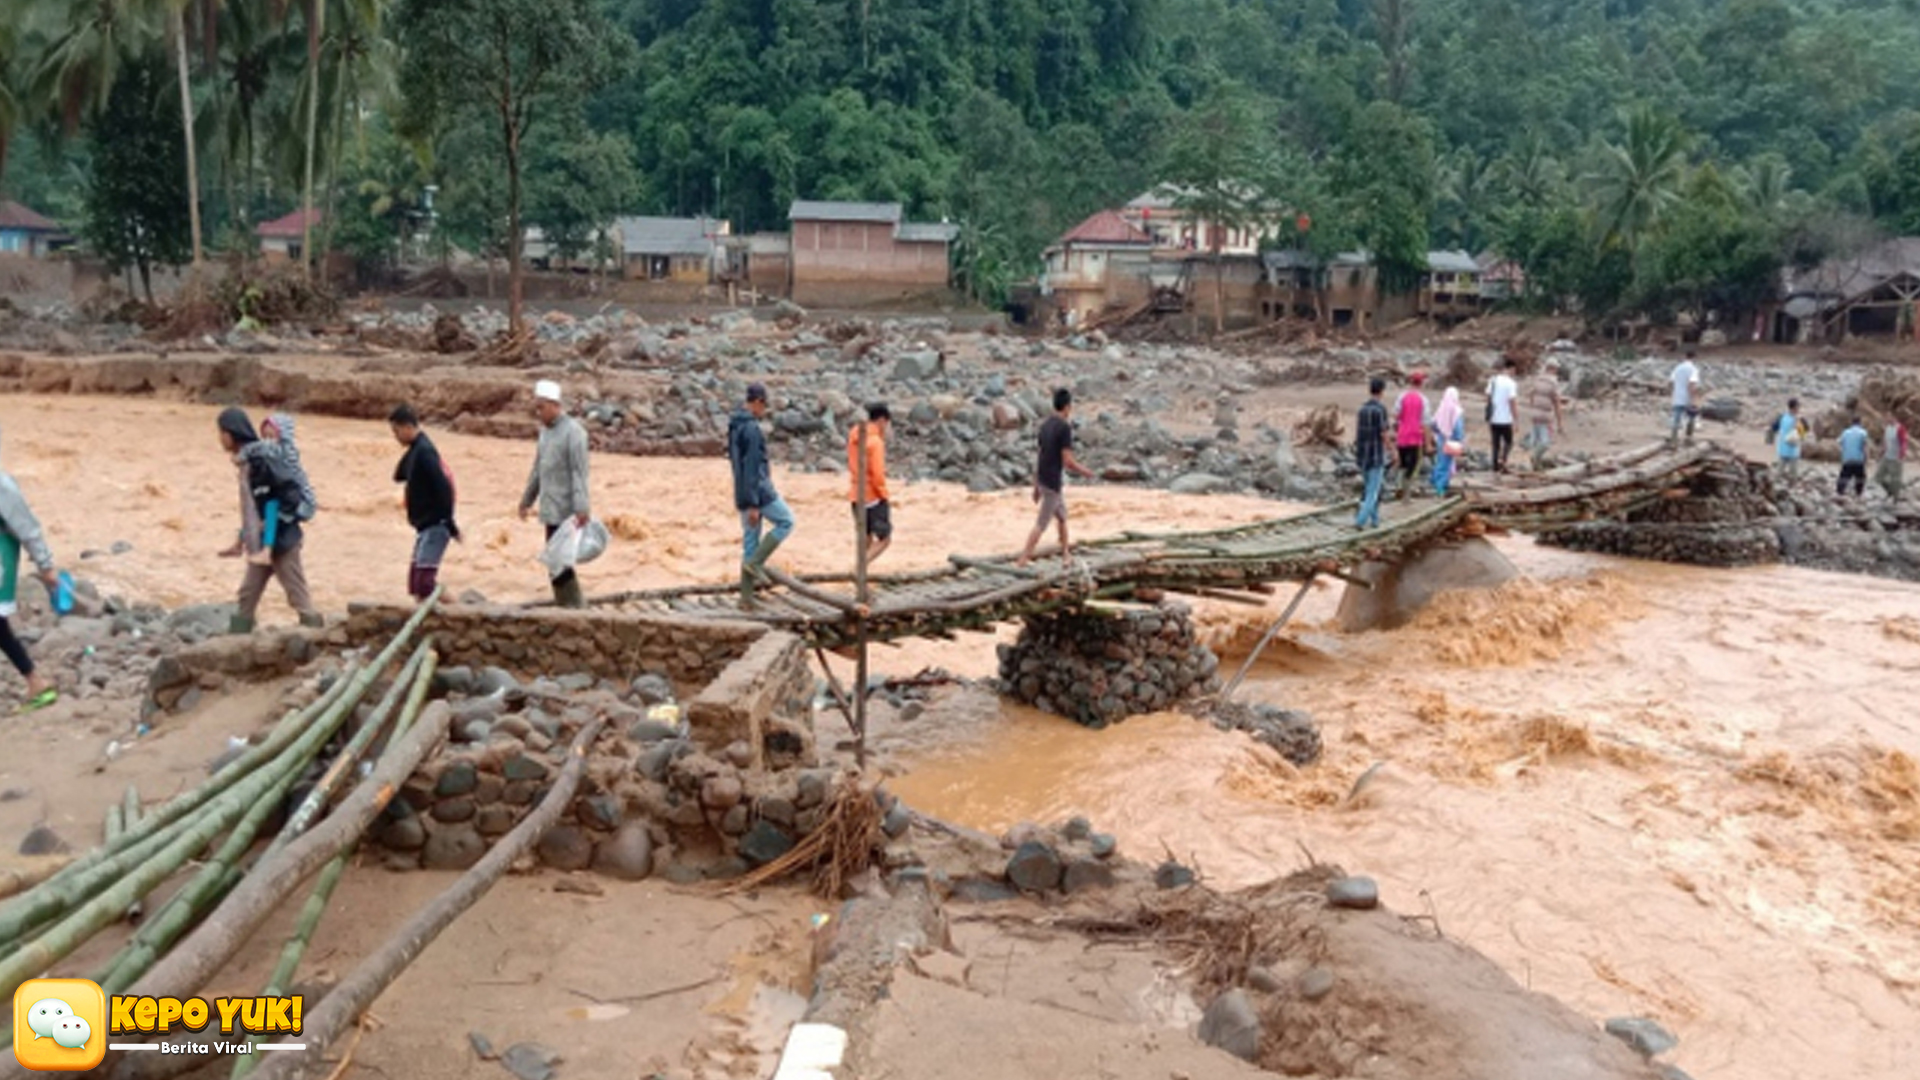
[(1417, 433)]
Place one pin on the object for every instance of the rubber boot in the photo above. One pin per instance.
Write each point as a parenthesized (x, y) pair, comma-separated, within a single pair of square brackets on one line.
[(752, 572), (239, 624), (568, 595)]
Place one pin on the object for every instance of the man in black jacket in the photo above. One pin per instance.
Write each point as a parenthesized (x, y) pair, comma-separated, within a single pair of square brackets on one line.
[(430, 498), (266, 481)]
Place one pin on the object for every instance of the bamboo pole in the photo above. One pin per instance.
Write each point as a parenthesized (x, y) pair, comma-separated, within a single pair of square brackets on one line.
[(296, 947), (135, 879), (364, 984), (113, 826), (1247, 665), (130, 811), (862, 598)]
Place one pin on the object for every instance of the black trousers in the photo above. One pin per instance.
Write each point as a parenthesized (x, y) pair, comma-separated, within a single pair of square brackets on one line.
[(15, 651), (1855, 471), (1502, 446)]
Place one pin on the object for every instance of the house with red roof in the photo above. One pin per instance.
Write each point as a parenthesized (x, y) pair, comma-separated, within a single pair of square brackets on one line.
[(1100, 263), (280, 239), (24, 232)]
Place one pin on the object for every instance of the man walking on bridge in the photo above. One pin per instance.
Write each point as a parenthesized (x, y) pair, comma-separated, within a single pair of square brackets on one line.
[(558, 482), (879, 519), (753, 493), (1686, 396), (1049, 481), (1370, 452)]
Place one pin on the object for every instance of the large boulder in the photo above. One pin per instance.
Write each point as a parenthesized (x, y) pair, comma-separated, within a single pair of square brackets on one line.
[(1401, 589)]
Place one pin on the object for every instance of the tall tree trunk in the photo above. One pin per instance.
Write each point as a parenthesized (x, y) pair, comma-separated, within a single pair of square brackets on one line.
[(515, 241), (316, 26), (186, 124)]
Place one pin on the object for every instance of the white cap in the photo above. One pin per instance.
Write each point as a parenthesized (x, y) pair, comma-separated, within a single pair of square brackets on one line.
[(547, 390)]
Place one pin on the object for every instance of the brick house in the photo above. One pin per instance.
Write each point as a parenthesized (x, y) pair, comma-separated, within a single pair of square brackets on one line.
[(280, 238), (1101, 263), (863, 253)]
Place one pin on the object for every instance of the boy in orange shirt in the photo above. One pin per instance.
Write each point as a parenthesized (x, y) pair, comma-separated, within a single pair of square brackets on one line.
[(879, 516)]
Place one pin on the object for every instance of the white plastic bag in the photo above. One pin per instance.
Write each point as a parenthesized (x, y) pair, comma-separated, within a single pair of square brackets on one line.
[(572, 545)]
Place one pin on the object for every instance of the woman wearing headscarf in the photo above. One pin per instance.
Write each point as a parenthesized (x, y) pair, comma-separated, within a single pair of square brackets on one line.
[(1450, 437), (20, 529), (266, 485)]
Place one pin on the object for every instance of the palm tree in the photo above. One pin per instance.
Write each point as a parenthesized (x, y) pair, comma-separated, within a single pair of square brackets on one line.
[(1639, 179), (1530, 175)]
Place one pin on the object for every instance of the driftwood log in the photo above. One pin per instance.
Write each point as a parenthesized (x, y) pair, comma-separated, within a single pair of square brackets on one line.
[(336, 1013)]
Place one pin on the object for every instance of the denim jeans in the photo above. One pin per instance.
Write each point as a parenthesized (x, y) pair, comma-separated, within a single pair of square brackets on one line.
[(1370, 501), (775, 514)]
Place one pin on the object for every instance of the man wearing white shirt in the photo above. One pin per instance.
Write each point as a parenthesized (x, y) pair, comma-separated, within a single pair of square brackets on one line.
[(1501, 394), (1686, 391)]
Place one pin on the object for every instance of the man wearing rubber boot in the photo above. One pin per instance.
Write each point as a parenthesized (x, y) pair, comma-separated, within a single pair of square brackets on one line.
[(559, 480), (753, 493)]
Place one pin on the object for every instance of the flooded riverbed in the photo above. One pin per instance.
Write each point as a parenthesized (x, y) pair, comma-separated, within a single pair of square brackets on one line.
[(1646, 790)]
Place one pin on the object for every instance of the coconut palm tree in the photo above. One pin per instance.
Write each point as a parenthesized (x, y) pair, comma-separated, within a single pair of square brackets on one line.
[(1638, 179)]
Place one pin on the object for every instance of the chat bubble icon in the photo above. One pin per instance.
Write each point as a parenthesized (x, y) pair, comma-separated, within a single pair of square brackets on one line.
[(71, 1032), (42, 1015)]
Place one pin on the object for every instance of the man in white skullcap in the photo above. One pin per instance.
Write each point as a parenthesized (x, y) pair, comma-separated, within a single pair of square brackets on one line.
[(559, 479)]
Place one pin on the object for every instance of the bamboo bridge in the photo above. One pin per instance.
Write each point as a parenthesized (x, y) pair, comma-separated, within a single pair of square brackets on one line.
[(1241, 563)]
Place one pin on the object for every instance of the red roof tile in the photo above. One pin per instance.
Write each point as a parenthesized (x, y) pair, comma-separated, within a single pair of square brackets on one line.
[(15, 216), (289, 227), (1106, 227)]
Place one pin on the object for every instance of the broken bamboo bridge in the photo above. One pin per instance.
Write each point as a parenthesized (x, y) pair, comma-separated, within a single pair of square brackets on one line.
[(1240, 563)]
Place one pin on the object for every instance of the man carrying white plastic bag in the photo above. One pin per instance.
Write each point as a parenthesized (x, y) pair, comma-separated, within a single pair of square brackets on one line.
[(558, 483)]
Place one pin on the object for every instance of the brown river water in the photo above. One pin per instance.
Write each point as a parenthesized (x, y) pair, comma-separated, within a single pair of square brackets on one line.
[(1683, 793), (1647, 790)]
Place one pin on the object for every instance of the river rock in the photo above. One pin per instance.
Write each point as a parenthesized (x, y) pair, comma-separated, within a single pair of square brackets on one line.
[(453, 847), (1035, 867), (565, 847), (494, 820), (599, 811), (42, 840), (458, 778), (764, 842), (1354, 893), (531, 1061), (652, 689), (923, 364), (1231, 1023), (656, 760), (458, 808), (495, 680), (896, 821), (522, 767), (1084, 874), (628, 855), (722, 792), (1645, 1036), (1103, 845), (1171, 875), (1315, 983), (1078, 828), (405, 833), (1200, 483), (482, 1046)]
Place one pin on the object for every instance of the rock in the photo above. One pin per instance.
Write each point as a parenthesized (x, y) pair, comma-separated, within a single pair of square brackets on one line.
[(1035, 867), (1231, 1023), (565, 847), (1722, 410), (764, 843), (1084, 874), (1006, 416), (522, 767), (924, 364), (1402, 589), (494, 820), (1103, 845), (652, 689), (482, 1046), (655, 760), (1200, 483), (727, 869), (453, 680), (531, 1061), (739, 754), (495, 680), (453, 847), (458, 808), (1645, 1036), (628, 855), (404, 834), (576, 682), (41, 840), (1265, 979), (1078, 828), (722, 792), (734, 821), (458, 778), (599, 811), (814, 786), (1171, 875), (779, 811), (896, 821), (483, 709), (1315, 983), (1354, 893), (1672, 1072)]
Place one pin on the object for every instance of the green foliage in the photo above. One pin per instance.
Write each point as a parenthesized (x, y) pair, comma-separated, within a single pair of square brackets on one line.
[(577, 183), (134, 217), (1383, 180)]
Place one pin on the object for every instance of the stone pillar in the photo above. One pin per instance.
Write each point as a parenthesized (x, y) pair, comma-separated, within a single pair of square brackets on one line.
[(1097, 668)]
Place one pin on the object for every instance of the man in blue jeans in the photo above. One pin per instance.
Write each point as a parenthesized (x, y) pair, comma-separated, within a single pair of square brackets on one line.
[(753, 493), (1370, 453)]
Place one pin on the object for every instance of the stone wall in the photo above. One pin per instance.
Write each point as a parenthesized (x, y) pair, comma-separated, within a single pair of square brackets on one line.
[(604, 644), (1724, 518), (179, 678), (1096, 667)]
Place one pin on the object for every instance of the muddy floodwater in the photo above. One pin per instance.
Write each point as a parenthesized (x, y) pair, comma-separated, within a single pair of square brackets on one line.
[(1646, 790)]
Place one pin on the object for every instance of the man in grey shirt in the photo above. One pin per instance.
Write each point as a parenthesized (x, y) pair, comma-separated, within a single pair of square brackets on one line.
[(558, 480)]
